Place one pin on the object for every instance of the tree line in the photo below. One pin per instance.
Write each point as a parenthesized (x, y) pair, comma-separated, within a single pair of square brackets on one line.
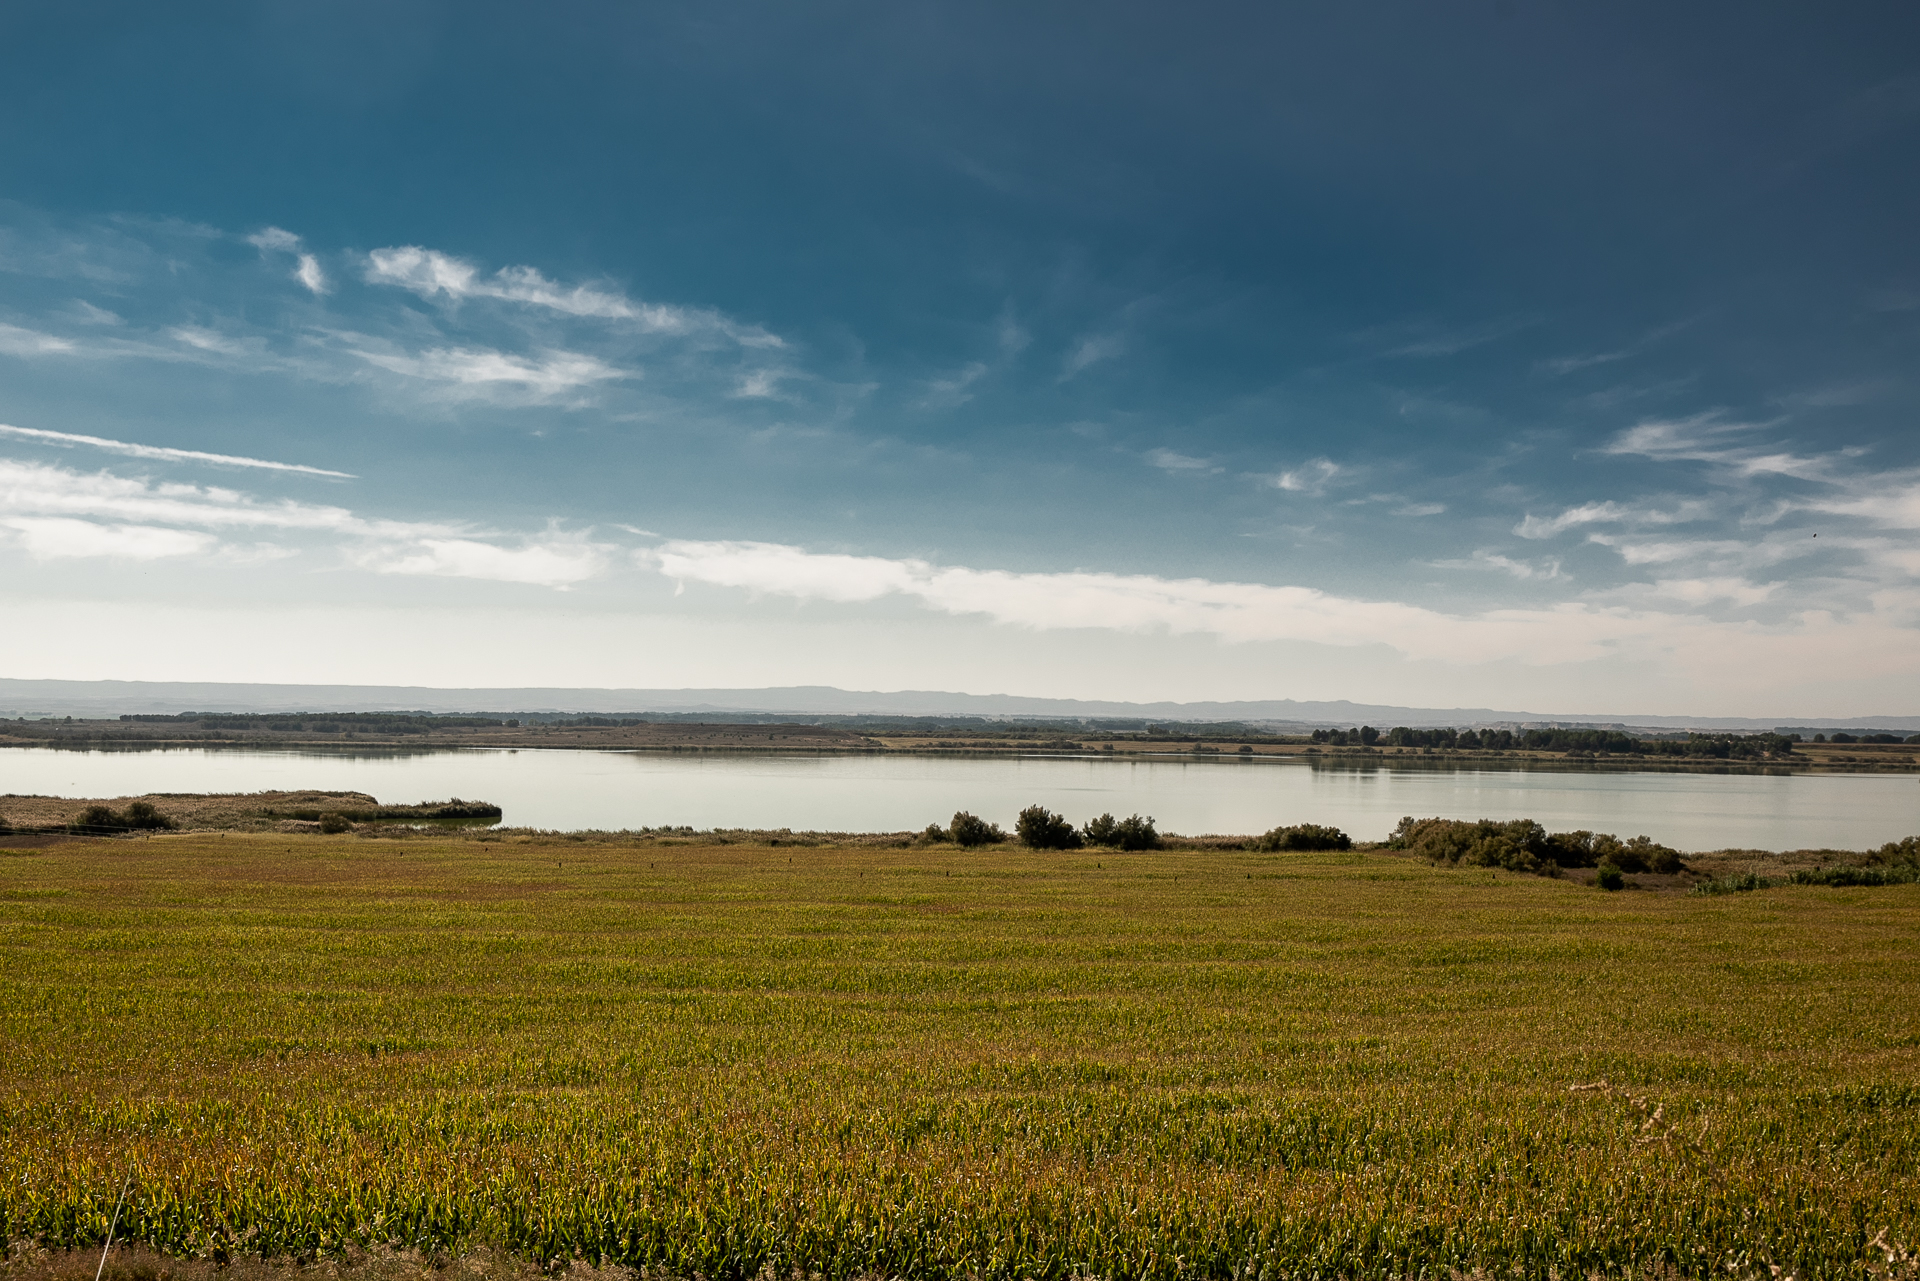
[(1617, 742)]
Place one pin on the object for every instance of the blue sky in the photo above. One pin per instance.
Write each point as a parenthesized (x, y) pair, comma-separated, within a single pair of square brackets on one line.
[(1493, 354)]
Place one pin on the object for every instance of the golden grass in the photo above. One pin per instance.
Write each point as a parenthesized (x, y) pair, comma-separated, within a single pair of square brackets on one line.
[(941, 1062)]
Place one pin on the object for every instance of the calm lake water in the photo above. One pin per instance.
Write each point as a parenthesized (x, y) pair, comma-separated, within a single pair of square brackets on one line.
[(570, 790)]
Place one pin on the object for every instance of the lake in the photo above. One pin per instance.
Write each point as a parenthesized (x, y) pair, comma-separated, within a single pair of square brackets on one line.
[(574, 790)]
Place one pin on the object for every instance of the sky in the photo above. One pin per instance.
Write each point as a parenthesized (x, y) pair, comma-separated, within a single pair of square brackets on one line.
[(1510, 354)]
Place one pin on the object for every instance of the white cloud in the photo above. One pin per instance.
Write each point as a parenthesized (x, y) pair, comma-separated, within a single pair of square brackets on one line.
[(15, 341), (759, 384), (1703, 591), (945, 393), (59, 538), (553, 374), (60, 512), (1891, 499), (274, 240), (1138, 602), (161, 453), (1091, 351), (1611, 513), (1569, 364), (1169, 461), (1420, 509), (1521, 569), (545, 564), (1706, 438), (89, 314), (203, 339), (1308, 479), (309, 274), (432, 274)]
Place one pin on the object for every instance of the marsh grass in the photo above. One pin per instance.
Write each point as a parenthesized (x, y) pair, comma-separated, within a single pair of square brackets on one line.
[(730, 1061)]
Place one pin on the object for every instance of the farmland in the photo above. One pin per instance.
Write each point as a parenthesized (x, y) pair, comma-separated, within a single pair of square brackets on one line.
[(948, 1062)]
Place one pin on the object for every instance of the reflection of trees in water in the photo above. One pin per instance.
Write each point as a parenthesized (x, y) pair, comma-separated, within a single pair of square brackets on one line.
[(1416, 765), (320, 751)]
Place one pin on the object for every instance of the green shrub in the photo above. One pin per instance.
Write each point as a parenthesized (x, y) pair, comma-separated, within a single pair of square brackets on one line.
[(142, 817), (334, 824), (1522, 845), (1040, 828), (1898, 853), (1737, 883), (1519, 845), (1610, 877), (968, 830), (935, 834), (1898, 874), (1133, 833), (1303, 836), (1589, 849)]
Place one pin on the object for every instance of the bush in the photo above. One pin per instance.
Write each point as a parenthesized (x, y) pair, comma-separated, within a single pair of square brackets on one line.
[(1303, 836), (142, 817), (968, 830), (1898, 853), (1519, 846), (334, 824), (1522, 845), (935, 834), (1040, 828), (1589, 849), (1897, 874), (1133, 833), (97, 820), (1738, 883), (1610, 878)]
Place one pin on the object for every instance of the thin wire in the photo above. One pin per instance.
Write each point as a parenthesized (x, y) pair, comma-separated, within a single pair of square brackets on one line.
[(111, 1226)]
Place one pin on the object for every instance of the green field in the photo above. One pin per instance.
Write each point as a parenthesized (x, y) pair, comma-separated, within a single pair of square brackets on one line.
[(943, 1063)]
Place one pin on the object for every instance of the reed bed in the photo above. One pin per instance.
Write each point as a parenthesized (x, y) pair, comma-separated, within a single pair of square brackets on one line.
[(938, 1062)]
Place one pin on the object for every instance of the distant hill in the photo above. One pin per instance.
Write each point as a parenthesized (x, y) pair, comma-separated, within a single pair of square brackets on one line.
[(94, 699)]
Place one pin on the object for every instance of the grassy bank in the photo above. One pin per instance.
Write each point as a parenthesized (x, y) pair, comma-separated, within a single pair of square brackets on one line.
[(943, 1062)]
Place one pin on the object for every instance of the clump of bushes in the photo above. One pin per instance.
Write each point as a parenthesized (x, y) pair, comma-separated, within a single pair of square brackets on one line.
[(1897, 874), (1133, 833), (1040, 828), (1522, 845), (333, 824), (140, 816), (1302, 836), (1736, 883), (965, 829), (1610, 877)]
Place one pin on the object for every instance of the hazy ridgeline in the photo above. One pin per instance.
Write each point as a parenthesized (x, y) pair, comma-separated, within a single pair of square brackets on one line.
[(951, 1062)]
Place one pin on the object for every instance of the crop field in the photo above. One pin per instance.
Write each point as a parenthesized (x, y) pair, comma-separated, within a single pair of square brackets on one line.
[(945, 1063)]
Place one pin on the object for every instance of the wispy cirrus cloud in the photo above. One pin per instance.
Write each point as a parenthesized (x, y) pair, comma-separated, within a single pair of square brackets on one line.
[(1090, 351), (55, 512), (482, 372), (432, 274), (1168, 460), (1309, 478), (15, 341), (160, 453)]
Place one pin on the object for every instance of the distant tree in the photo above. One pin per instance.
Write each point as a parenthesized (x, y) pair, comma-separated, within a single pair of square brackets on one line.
[(97, 819), (1040, 828), (935, 835), (334, 823), (1609, 878), (1369, 736), (968, 830)]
